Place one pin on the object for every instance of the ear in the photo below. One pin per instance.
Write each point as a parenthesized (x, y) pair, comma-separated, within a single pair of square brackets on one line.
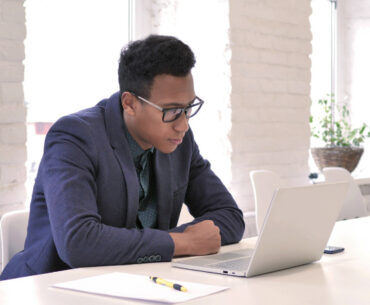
[(128, 102)]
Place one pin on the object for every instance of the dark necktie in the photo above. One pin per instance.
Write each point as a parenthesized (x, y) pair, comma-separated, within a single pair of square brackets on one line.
[(147, 212)]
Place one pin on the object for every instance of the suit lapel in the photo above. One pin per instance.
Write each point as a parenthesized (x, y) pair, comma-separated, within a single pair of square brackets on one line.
[(163, 176), (115, 129)]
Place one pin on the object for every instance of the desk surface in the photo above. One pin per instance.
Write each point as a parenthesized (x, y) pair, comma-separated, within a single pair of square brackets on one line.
[(336, 279)]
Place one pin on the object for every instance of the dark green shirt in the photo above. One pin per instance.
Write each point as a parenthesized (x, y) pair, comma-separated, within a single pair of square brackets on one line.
[(143, 159)]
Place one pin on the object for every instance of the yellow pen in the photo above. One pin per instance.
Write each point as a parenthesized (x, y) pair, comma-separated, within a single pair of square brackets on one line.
[(168, 284)]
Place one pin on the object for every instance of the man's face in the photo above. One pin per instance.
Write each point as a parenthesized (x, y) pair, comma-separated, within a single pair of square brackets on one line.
[(147, 127)]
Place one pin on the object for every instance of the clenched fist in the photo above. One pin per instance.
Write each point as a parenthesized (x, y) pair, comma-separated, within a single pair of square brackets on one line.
[(198, 239)]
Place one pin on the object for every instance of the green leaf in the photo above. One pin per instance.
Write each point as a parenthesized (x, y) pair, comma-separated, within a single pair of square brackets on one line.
[(340, 132)]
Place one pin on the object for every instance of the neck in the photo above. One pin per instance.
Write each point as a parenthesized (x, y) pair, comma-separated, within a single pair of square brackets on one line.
[(130, 125)]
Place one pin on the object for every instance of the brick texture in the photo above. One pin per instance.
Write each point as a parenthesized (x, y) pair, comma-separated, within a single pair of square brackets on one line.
[(270, 68), (12, 108)]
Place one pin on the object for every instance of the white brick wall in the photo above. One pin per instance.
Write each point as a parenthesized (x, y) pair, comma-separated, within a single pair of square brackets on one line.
[(12, 108), (270, 68)]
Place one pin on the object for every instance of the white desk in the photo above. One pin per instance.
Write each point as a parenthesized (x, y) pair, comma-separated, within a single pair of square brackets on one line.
[(336, 279)]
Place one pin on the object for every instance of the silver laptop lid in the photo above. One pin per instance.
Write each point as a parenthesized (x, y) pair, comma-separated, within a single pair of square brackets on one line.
[(297, 226)]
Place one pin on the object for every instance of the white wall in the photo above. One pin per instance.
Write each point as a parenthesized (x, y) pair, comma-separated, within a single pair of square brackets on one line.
[(270, 75), (12, 108)]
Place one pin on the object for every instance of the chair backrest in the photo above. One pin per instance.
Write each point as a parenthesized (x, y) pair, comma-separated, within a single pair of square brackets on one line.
[(354, 205), (264, 183), (13, 229)]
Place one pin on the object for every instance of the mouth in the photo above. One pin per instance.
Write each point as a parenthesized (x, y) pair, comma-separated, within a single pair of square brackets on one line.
[(176, 141)]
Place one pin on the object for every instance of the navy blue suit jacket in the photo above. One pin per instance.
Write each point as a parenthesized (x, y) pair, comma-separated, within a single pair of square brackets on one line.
[(86, 194)]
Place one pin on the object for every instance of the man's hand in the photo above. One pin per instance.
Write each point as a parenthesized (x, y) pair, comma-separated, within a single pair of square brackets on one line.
[(198, 239)]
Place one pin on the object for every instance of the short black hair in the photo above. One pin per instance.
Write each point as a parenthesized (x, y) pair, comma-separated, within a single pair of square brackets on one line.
[(142, 60)]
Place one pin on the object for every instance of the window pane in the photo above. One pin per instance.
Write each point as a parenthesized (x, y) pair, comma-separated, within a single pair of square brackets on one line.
[(320, 21), (72, 53), (321, 49)]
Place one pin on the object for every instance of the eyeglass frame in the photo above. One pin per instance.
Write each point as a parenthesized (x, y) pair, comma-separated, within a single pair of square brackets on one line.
[(164, 110)]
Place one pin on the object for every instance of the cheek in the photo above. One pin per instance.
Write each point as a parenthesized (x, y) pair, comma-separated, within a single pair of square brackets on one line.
[(154, 130), (149, 121), (159, 136), (159, 132)]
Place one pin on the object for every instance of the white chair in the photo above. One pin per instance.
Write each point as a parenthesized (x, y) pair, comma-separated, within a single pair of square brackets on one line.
[(354, 205), (264, 184), (13, 229)]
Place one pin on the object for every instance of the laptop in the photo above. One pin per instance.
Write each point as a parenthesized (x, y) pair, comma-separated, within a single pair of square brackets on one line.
[(295, 232)]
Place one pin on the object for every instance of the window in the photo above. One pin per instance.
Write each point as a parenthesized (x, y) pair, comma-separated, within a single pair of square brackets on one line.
[(353, 69), (72, 53), (347, 75), (321, 57)]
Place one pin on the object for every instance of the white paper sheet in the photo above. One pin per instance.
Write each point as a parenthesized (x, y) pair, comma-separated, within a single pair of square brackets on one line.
[(125, 285)]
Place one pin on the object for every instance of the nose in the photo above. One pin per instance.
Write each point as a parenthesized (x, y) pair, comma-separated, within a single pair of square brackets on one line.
[(181, 124)]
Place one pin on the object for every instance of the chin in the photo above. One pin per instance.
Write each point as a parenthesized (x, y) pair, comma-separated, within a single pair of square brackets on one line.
[(167, 149)]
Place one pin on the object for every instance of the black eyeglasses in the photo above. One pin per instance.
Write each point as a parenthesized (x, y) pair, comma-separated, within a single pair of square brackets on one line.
[(172, 114)]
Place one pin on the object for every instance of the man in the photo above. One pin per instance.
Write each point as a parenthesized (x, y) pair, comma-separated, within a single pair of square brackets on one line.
[(113, 178)]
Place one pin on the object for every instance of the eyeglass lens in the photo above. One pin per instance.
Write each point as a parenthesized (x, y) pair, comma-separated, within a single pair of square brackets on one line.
[(173, 114)]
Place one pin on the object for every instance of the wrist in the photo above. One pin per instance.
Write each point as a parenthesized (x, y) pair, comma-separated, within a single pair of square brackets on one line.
[(181, 244)]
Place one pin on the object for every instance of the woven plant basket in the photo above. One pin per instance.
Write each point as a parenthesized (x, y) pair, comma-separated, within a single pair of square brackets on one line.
[(346, 157)]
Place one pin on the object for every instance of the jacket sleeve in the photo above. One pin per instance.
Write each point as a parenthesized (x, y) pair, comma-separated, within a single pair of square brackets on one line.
[(68, 176), (208, 198)]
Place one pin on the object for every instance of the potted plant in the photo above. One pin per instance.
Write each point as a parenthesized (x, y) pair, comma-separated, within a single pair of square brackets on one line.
[(342, 142)]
